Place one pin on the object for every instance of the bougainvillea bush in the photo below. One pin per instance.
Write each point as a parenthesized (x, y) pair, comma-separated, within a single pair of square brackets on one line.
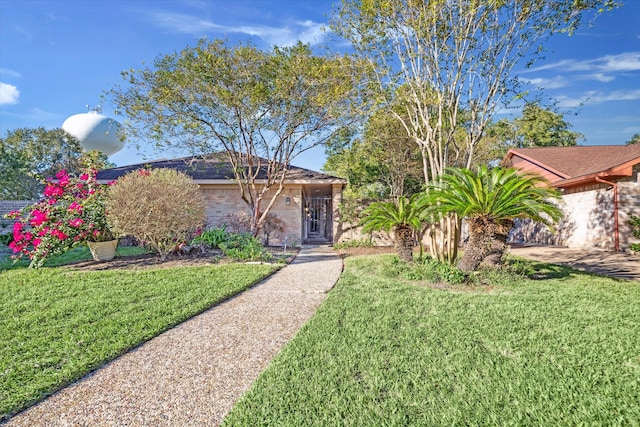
[(161, 208), (71, 213)]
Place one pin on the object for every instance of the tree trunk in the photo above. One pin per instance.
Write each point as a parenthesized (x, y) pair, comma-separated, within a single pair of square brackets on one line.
[(487, 244), (404, 243)]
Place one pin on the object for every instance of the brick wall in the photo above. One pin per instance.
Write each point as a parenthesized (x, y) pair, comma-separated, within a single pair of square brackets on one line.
[(589, 217), (223, 200), (6, 206)]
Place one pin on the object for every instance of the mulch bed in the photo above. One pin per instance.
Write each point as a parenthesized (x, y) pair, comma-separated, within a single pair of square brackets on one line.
[(196, 258)]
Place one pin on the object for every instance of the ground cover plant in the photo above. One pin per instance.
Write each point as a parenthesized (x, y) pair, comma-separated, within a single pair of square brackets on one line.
[(560, 347), (57, 324)]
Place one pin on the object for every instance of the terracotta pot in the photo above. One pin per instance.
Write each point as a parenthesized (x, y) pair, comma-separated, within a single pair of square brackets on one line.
[(103, 251)]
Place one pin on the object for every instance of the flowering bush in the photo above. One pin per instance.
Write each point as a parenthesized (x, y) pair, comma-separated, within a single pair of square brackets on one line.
[(71, 213)]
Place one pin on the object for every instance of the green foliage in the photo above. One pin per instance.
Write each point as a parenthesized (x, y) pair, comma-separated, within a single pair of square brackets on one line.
[(5, 239), (357, 243), (634, 223), (429, 270), (57, 325), (71, 213), (384, 164), (213, 237), (537, 127), (490, 199), (29, 155), (635, 139), (382, 351), (495, 195), (259, 108), (389, 215), (160, 208), (244, 247)]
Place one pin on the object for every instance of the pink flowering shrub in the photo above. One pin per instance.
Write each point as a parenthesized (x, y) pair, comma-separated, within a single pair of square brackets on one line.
[(71, 213)]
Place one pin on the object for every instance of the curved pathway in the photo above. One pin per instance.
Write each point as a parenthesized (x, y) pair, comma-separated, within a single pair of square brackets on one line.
[(193, 374)]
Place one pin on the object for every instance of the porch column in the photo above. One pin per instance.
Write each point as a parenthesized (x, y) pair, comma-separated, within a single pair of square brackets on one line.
[(336, 219)]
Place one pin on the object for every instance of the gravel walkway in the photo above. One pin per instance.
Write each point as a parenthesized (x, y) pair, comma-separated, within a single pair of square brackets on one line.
[(193, 374)]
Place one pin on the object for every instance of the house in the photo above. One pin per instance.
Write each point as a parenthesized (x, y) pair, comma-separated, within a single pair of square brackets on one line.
[(307, 206), (600, 188)]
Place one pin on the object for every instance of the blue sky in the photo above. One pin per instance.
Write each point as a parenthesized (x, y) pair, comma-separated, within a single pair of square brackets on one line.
[(57, 56)]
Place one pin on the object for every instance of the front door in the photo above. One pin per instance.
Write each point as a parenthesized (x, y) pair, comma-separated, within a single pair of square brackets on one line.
[(318, 218)]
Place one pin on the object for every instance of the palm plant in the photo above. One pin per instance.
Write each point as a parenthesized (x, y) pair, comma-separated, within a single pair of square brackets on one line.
[(490, 200), (403, 217)]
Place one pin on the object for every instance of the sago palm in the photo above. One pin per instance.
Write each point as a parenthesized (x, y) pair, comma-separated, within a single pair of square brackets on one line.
[(490, 200), (403, 217)]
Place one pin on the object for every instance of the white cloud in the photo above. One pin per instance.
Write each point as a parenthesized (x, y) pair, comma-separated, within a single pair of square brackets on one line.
[(10, 73), (8, 94), (593, 97), (556, 82), (306, 31), (628, 61)]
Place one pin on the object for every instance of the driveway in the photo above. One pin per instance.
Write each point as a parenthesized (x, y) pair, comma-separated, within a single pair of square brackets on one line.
[(620, 265)]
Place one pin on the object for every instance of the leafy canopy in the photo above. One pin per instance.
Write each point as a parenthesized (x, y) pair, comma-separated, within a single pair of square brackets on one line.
[(260, 108), (494, 195)]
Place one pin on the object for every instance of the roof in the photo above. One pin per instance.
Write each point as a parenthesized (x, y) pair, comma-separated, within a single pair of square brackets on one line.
[(215, 169), (573, 166)]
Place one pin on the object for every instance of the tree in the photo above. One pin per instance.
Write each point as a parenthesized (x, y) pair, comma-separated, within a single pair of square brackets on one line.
[(260, 108), (635, 139), (383, 163), (490, 199), (402, 216), (452, 56), (28, 155), (537, 127)]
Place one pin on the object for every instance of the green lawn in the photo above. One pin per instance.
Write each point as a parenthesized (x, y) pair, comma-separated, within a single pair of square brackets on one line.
[(386, 351), (57, 324)]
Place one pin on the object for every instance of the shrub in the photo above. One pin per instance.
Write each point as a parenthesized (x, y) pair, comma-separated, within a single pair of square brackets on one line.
[(239, 221), (213, 237), (634, 222), (71, 213), (244, 247), (357, 243), (270, 226), (160, 208)]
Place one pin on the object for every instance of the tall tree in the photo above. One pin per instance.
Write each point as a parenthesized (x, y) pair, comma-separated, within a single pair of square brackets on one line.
[(261, 108), (456, 55), (28, 155), (382, 163), (537, 127)]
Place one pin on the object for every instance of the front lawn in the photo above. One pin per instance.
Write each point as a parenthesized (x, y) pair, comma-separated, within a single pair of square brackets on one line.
[(382, 350), (57, 324)]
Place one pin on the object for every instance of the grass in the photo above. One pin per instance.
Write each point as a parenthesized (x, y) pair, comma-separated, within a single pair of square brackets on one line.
[(79, 253), (383, 350), (56, 324)]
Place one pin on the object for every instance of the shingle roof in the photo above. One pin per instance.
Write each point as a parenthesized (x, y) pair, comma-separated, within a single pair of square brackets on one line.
[(571, 166), (581, 160), (212, 167)]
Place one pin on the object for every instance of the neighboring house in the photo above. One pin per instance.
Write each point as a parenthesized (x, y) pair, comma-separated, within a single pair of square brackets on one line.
[(308, 205), (600, 188)]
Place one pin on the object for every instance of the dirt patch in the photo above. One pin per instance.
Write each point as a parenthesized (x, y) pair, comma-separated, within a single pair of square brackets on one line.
[(153, 261)]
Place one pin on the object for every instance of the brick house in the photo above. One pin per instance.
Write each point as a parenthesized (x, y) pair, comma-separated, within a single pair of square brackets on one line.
[(600, 188), (307, 206)]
